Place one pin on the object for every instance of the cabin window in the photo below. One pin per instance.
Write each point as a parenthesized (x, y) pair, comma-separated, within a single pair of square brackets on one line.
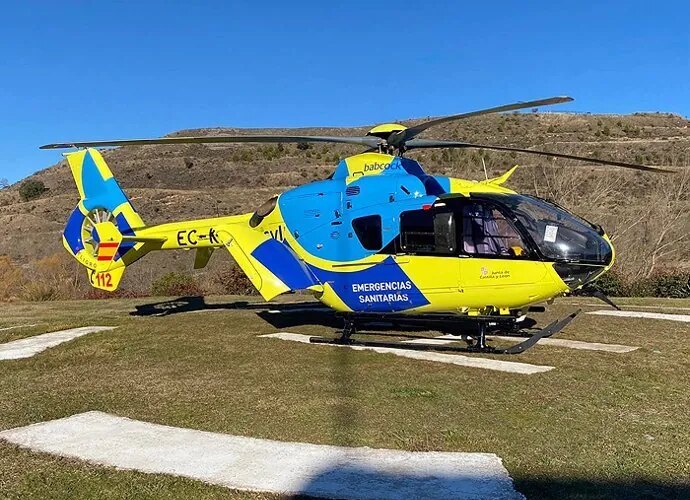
[(368, 231), (428, 232), (487, 233)]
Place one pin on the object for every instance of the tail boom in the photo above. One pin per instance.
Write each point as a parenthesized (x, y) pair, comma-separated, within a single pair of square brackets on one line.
[(105, 234)]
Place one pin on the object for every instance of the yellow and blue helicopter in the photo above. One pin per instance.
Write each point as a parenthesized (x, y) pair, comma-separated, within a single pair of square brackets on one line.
[(377, 239)]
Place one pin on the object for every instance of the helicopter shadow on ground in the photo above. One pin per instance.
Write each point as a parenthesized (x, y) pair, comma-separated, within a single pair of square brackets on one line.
[(279, 315), (306, 313), (198, 304), (350, 481), (537, 487)]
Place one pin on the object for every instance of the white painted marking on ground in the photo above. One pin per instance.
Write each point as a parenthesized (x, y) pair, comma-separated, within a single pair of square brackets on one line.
[(30, 346), (252, 464), (15, 327), (453, 359), (298, 309), (571, 344), (684, 318), (636, 306), (434, 341)]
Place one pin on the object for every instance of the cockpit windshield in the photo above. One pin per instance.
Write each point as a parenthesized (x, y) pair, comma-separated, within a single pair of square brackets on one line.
[(559, 234)]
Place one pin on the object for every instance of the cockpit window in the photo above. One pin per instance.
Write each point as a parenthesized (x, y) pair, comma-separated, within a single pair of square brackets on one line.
[(558, 234), (486, 232)]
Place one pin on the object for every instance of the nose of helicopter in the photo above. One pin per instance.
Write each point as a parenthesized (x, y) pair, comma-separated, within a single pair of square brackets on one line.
[(577, 274)]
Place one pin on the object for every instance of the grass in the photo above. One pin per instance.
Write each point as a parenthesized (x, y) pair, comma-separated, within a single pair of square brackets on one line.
[(600, 425)]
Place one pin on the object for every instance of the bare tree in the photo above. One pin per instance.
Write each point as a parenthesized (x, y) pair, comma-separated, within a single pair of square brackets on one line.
[(667, 218), (576, 187), (650, 233), (655, 231)]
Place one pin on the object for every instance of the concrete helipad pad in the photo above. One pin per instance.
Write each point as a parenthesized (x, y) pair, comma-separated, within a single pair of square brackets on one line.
[(453, 359), (684, 318), (252, 464), (30, 346)]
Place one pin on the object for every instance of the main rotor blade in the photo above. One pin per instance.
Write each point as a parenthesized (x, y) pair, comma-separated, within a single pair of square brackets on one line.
[(424, 143), (401, 137), (366, 141)]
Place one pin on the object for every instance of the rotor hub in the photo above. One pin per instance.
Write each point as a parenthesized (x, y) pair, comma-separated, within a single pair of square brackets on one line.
[(385, 130)]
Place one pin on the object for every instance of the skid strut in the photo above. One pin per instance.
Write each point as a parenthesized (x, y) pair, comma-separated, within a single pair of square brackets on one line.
[(480, 345), (349, 329)]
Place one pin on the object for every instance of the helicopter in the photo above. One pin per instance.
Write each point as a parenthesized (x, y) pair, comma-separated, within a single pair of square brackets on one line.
[(378, 239)]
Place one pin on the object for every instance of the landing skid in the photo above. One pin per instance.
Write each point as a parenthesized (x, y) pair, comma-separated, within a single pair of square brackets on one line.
[(479, 346), (448, 323)]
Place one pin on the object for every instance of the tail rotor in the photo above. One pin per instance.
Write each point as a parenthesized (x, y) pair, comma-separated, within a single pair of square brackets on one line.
[(103, 218)]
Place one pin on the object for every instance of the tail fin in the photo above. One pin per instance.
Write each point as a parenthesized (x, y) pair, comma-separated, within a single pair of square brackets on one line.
[(95, 230)]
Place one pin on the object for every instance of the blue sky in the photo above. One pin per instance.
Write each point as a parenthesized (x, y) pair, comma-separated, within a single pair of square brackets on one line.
[(96, 70)]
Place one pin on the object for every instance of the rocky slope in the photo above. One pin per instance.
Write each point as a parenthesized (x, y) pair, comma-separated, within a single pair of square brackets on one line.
[(185, 181)]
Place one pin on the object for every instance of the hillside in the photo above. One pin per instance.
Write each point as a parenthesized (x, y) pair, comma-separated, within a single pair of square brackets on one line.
[(185, 181)]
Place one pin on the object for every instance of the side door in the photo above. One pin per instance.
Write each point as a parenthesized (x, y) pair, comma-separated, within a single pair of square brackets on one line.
[(427, 251), (496, 264)]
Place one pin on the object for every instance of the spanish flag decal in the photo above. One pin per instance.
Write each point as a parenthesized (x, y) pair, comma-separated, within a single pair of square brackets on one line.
[(107, 251)]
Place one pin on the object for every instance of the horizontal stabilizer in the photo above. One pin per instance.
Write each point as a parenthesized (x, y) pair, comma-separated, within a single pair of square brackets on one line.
[(145, 239)]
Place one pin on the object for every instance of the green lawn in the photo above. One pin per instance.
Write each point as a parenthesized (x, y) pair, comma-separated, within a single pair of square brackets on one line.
[(600, 425)]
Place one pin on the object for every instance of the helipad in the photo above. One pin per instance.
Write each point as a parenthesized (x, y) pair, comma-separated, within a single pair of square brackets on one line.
[(252, 464)]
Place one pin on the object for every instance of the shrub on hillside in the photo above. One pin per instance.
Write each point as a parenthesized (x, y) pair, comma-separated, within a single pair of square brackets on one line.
[(673, 285), (176, 284), (56, 277), (31, 189), (609, 284), (126, 293), (669, 283), (233, 281), (11, 278)]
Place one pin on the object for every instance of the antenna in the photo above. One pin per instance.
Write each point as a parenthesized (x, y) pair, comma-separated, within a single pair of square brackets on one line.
[(486, 175)]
